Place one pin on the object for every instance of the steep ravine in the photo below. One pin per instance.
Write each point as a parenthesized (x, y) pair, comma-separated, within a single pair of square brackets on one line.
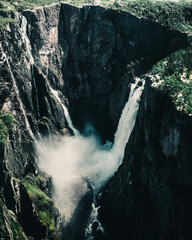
[(90, 54)]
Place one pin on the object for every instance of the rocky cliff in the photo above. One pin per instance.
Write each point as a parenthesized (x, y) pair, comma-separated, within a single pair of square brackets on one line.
[(150, 195), (90, 54)]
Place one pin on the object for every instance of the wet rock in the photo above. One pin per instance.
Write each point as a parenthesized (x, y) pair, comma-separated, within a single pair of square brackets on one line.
[(150, 197)]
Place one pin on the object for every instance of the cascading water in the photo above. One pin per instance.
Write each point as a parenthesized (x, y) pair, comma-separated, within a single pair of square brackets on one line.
[(75, 161), (30, 63), (93, 225), (25, 39), (65, 110), (124, 129), (127, 121), (30, 60), (17, 94)]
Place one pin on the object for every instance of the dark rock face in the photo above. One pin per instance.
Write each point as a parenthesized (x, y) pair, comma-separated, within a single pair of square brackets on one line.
[(91, 55), (75, 229), (150, 196)]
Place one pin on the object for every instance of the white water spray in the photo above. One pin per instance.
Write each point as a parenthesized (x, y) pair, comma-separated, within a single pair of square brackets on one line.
[(125, 127), (75, 160)]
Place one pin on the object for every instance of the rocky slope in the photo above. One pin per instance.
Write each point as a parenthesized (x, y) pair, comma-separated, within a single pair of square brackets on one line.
[(91, 55)]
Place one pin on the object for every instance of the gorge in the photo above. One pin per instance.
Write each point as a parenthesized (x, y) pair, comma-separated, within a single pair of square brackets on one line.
[(77, 82)]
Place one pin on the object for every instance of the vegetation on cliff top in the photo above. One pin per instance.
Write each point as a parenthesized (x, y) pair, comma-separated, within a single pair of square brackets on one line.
[(176, 15), (173, 76), (5, 9)]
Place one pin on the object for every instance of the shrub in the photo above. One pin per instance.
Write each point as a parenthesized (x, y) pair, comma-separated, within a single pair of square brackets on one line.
[(173, 75), (8, 120), (6, 124), (172, 14)]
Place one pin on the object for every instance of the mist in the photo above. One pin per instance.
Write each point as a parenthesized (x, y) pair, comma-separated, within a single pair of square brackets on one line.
[(73, 162), (77, 162)]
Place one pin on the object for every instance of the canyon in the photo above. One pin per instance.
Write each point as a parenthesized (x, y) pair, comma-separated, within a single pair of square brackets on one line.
[(64, 68)]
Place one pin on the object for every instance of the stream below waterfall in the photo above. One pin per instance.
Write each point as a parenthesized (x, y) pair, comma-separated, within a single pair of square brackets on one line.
[(80, 165)]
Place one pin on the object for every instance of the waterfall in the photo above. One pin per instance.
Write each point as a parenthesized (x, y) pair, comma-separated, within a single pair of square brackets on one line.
[(31, 61), (25, 39), (127, 121), (18, 94), (93, 224), (65, 110), (124, 129), (76, 160)]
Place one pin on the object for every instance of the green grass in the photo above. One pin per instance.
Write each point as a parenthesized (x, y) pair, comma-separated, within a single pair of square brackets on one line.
[(45, 121), (44, 209), (36, 194), (28, 4), (8, 120), (6, 125), (5, 8), (4, 21), (173, 76), (175, 15), (3, 134), (17, 230)]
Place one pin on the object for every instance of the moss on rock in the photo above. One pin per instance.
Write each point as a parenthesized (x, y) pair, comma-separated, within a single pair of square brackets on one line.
[(42, 204)]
